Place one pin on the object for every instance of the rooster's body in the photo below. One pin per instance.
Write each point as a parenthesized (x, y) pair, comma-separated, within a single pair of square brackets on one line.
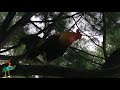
[(55, 45)]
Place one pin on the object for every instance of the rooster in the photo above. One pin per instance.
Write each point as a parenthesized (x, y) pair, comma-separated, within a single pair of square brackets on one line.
[(57, 44), (7, 69), (51, 48), (54, 46)]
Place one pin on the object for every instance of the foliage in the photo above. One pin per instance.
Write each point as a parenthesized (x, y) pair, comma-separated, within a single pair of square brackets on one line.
[(2, 16), (113, 28)]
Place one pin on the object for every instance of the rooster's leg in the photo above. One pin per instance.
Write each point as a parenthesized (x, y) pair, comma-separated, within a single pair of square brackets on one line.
[(9, 73), (5, 74)]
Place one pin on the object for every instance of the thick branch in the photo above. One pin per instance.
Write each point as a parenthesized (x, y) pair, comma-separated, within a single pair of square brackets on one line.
[(5, 25), (7, 21), (26, 70), (16, 28)]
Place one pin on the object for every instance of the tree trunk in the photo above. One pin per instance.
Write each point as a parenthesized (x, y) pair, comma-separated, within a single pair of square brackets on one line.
[(104, 36)]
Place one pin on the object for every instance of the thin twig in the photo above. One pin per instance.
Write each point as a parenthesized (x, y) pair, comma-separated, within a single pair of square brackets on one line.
[(86, 52), (43, 21), (35, 25), (75, 23), (93, 26), (50, 26), (15, 46), (86, 58), (64, 17), (87, 35)]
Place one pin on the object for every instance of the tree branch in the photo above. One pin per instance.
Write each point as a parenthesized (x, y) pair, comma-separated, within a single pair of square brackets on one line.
[(7, 57), (86, 34), (93, 26), (5, 25), (35, 25), (50, 26), (104, 37), (75, 22), (43, 21), (7, 22), (50, 70), (15, 46), (86, 52), (87, 59), (64, 17), (16, 28)]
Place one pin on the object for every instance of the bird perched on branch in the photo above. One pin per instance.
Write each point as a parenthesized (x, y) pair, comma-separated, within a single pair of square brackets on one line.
[(56, 45), (53, 47)]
